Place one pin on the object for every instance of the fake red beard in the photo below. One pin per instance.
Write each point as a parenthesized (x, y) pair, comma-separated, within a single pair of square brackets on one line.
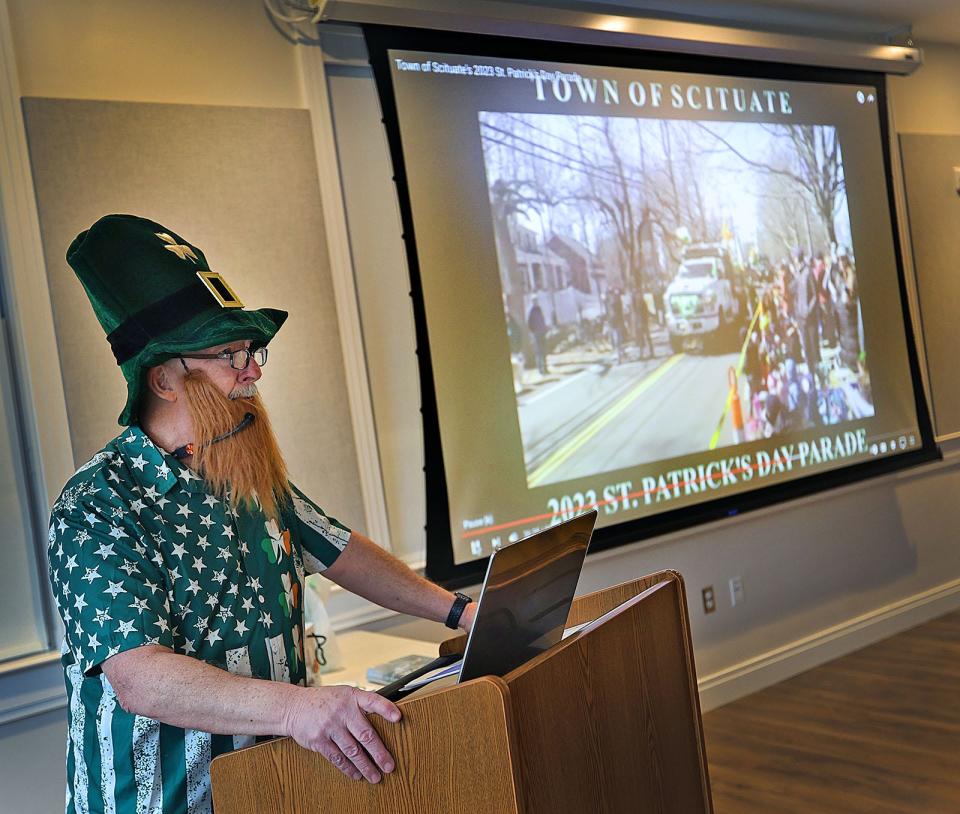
[(246, 467)]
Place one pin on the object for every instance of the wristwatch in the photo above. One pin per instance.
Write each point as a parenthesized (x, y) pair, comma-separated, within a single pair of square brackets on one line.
[(457, 609)]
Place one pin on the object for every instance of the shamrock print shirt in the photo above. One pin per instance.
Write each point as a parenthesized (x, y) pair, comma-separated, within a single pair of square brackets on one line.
[(140, 553)]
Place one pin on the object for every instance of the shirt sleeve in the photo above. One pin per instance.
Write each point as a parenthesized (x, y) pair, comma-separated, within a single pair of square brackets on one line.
[(111, 596), (322, 537)]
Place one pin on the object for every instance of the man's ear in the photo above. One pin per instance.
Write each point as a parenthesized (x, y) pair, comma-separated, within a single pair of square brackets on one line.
[(159, 383)]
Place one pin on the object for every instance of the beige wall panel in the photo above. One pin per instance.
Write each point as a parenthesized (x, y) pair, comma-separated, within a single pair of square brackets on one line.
[(934, 215), (240, 183), (926, 101), (223, 52)]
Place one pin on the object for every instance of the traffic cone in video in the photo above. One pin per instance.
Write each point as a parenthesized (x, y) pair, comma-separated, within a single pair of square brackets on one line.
[(736, 413)]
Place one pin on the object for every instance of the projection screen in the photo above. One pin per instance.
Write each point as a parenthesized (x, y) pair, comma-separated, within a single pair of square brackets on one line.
[(663, 287)]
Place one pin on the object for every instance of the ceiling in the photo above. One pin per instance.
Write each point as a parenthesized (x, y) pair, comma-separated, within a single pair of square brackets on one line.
[(882, 20)]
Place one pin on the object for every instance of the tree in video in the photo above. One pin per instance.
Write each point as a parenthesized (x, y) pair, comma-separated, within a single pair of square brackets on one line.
[(671, 286)]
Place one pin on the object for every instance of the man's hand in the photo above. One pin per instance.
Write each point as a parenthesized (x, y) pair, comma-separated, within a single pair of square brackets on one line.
[(185, 692), (333, 721)]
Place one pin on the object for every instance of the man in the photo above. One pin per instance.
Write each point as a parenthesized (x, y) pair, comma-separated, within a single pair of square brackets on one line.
[(616, 321), (177, 553), (806, 306), (537, 325), (643, 327)]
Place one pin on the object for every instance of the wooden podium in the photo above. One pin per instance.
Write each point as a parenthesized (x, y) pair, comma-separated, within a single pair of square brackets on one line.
[(606, 721)]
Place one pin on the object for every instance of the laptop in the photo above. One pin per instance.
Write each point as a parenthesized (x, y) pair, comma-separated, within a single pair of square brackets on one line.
[(523, 606)]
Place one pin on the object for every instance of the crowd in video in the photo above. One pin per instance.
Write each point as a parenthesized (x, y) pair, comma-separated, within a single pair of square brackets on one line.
[(723, 249), (803, 356)]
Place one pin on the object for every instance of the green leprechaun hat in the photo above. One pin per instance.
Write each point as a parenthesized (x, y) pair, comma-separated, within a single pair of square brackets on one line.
[(156, 297)]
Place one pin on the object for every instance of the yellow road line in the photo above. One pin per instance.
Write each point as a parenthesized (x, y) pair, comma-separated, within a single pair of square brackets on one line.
[(598, 424), (715, 438)]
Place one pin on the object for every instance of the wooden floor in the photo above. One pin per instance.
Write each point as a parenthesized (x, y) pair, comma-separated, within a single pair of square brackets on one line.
[(875, 731)]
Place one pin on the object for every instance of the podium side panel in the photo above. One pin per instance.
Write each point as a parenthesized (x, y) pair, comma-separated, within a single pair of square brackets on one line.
[(455, 752), (609, 722), (593, 606)]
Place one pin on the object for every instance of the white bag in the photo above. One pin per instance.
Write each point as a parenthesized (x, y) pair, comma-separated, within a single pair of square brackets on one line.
[(321, 653)]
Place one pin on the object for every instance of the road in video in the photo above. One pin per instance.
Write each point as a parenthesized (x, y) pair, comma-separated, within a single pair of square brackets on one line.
[(671, 286)]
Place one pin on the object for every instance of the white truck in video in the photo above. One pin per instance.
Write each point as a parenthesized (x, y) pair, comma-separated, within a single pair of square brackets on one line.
[(703, 303)]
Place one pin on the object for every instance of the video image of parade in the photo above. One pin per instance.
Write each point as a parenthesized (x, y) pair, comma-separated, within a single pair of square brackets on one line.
[(671, 286)]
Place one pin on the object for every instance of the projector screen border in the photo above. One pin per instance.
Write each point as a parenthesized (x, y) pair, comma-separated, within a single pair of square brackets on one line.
[(440, 561)]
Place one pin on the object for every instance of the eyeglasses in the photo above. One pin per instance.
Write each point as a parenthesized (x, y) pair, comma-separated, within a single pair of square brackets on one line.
[(239, 359)]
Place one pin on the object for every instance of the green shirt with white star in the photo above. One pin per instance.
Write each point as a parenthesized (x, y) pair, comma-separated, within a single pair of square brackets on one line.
[(140, 553)]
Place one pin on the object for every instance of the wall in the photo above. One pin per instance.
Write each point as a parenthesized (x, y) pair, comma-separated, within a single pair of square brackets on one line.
[(215, 52), (821, 575)]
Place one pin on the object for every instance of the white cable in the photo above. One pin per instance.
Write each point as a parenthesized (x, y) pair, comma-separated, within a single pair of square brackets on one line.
[(321, 8), (277, 15), (292, 26)]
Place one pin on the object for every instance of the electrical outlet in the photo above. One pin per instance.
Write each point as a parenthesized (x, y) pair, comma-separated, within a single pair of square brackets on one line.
[(736, 590), (709, 600)]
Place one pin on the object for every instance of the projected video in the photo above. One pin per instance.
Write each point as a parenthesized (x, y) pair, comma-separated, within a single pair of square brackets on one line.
[(691, 277), (646, 290)]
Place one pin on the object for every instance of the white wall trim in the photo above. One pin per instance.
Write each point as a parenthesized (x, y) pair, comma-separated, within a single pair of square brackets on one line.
[(40, 702), (347, 610), (313, 76), (783, 662), (46, 450), (31, 686), (907, 259), (347, 615), (25, 277)]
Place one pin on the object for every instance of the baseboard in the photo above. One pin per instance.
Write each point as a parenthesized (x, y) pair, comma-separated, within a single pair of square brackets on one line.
[(766, 669)]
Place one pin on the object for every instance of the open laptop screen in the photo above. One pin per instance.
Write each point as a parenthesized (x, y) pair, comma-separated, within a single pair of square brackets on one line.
[(526, 597)]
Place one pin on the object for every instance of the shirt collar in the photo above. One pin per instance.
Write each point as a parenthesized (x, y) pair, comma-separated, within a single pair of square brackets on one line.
[(152, 467)]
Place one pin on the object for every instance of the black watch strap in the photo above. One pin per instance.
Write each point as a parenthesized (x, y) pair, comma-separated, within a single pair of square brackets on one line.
[(456, 610)]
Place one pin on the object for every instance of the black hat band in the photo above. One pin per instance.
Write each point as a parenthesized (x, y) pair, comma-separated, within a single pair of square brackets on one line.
[(136, 332)]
